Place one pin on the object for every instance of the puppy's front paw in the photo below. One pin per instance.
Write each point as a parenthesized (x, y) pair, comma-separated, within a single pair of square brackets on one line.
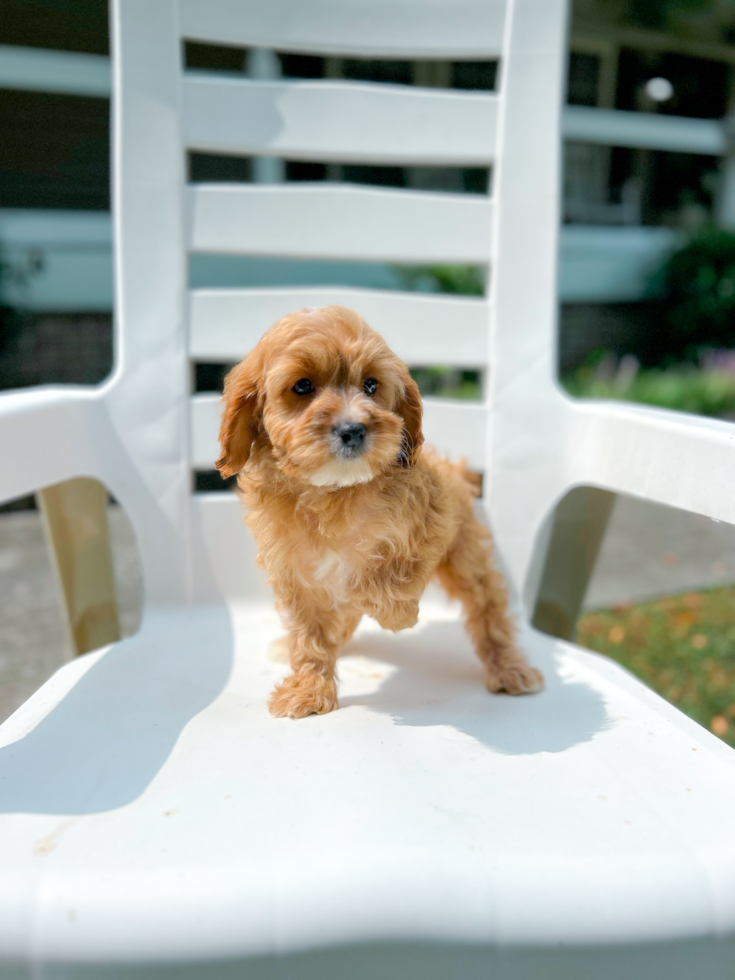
[(302, 694), (400, 616), (515, 678)]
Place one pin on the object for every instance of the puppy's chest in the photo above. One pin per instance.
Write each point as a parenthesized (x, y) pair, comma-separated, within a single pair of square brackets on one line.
[(339, 564), (332, 570)]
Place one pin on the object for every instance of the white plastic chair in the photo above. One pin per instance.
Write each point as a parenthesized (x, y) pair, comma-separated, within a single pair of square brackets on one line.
[(156, 821)]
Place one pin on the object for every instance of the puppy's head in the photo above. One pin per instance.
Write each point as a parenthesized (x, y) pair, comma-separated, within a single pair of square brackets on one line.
[(326, 397)]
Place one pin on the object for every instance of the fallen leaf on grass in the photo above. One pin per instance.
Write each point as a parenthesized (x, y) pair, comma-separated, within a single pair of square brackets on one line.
[(719, 725), (719, 678), (684, 619), (692, 600)]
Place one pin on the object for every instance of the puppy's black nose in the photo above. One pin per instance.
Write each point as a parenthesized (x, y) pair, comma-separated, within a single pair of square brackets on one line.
[(351, 433)]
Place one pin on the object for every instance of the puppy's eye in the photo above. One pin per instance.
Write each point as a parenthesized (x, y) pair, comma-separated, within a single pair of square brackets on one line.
[(370, 386), (303, 387)]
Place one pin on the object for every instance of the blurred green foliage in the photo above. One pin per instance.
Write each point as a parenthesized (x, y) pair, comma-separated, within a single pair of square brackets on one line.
[(16, 273), (705, 390), (694, 339), (699, 283), (463, 280), (655, 14), (8, 317), (446, 382)]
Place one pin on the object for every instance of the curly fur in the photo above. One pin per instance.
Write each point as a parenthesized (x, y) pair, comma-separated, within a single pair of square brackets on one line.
[(342, 538)]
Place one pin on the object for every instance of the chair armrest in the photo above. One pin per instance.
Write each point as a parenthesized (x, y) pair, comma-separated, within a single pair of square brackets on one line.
[(681, 460), (45, 437)]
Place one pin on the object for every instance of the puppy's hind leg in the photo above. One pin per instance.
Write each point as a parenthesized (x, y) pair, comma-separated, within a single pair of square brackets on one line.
[(467, 574)]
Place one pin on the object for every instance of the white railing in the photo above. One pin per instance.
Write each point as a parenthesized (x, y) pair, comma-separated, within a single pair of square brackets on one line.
[(644, 130), (62, 72)]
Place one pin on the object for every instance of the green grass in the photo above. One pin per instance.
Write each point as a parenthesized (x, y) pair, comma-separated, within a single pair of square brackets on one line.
[(681, 646)]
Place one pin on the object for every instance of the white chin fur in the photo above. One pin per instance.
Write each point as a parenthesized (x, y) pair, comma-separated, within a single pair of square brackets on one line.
[(342, 473)]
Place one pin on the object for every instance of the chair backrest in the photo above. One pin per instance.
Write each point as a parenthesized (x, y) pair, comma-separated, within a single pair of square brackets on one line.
[(164, 327)]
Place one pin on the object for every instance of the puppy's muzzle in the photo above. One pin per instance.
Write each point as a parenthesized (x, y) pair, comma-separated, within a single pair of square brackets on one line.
[(350, 437)]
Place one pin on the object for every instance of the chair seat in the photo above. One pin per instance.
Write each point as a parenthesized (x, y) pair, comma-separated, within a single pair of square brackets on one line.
[(154, 813)]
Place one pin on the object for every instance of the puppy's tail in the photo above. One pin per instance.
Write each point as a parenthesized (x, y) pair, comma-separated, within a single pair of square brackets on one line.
[(472, 480)]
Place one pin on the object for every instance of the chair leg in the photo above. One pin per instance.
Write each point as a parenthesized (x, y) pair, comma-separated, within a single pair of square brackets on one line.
[(75, 518), (578, 529)]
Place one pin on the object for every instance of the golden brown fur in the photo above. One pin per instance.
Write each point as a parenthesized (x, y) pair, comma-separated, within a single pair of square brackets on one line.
[(342, 537)]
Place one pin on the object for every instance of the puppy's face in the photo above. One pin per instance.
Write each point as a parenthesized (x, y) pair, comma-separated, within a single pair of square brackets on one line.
[(324, 395)]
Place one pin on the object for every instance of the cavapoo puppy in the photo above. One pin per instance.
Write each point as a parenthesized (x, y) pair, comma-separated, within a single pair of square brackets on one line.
[(322, 424)]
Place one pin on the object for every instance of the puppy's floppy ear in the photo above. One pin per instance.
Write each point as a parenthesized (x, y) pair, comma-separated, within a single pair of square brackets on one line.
[(409, 408), (241, 415)]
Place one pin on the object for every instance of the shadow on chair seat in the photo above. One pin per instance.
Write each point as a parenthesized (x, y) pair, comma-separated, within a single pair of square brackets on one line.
[(100, 746), (433, 678), (115, 726)]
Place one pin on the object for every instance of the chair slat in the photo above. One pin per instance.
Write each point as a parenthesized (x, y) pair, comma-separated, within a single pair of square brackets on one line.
[(204, 418), (423, 330), (456, 429), (340, 121), (338, 221), (464, 29)]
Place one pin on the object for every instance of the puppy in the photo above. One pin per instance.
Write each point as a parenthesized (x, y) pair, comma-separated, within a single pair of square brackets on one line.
[(322, 424)]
